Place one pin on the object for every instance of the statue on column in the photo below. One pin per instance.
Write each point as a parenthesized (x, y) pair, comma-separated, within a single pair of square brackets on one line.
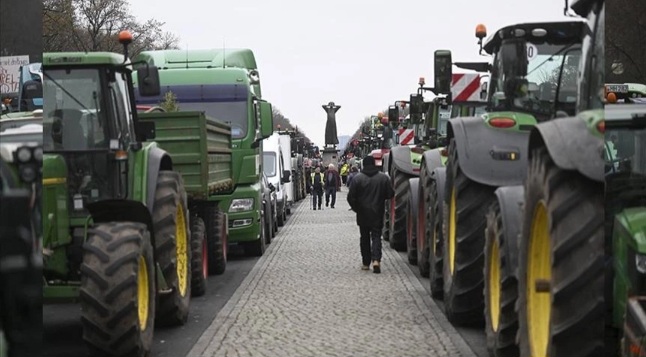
[(330, 127)]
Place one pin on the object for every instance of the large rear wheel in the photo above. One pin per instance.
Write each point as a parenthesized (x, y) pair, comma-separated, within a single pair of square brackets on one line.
[(172, 248), (467, 203), (561, 263), (436, 234), (399, 210), (118, 290), (422, 236), (501, 320), (411, 225)]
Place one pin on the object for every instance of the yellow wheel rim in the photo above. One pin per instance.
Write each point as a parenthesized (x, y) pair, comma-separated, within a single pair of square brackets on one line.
[(142, 293), (494, 286), (182, 251), (452, 225), (538, 269)]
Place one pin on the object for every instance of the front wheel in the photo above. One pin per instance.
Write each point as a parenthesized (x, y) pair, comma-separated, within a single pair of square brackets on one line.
[(118, 290), (561, 263)]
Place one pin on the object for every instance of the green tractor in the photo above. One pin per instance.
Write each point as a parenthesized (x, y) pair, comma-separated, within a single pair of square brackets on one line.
[(116, 235), (533, 79), (21, 258), (544, 249)]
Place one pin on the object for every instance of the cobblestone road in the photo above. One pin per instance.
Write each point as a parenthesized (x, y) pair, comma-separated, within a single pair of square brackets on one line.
[(307, 296)]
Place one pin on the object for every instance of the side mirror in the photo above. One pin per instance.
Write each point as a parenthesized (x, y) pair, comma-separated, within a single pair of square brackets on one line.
[(148, 81), (4, 109), (266, 120), (145, 130), (416, 104), (443, 71), (286, 176), (393, 114), (272, 188)]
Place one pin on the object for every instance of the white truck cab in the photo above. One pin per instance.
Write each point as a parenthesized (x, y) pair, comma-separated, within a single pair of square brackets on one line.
[(285, 142)]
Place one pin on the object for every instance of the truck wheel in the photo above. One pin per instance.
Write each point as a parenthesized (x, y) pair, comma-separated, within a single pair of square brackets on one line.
[(464, 244), (269, 229), (398, 210), (216, 238), (118, 291), (281, 218), (436, 234), (200, 257), (172, 248), (422, 232), (257, 248), (411, 225), (501, 320), (561, 263)]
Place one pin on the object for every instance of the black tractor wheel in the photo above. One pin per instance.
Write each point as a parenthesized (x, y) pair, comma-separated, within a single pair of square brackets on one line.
[(561, 263), (172, 248), (200, 257), (411, 223), (281, 218), (269, 228), (216, 238), (398, 211), (467, 203), (501, 320), (422, 216), (118, 290), (435, 232)]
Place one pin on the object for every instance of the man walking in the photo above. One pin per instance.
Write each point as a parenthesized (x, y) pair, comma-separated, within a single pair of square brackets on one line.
[(332, 184), (316, 188), (368, 193)]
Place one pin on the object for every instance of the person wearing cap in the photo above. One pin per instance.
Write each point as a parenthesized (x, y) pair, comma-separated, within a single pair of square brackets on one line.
[(367, 198), (332, 184)]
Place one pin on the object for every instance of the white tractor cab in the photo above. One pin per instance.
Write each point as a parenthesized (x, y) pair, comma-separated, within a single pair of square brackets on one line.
[(277, 174), (285, 141)]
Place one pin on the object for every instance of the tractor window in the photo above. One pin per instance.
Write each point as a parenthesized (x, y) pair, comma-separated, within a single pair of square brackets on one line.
[(74, 117), (625, 151), (269, 163)]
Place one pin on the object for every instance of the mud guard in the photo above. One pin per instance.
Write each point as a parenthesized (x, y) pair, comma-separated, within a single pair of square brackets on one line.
[(400, 158), (485, 152), (414, 197), (158, 160), (121, 210), (439, 175), (433, 160), (571, 146), (511, 199)]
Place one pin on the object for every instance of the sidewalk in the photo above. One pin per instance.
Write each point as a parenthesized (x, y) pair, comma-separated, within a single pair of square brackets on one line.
[(307, 296)]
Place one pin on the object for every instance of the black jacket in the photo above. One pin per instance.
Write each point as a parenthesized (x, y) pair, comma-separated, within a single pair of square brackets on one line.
[(368, 193)]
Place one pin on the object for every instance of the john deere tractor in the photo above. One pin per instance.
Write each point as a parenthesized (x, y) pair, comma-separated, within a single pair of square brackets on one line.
[(115, 216)]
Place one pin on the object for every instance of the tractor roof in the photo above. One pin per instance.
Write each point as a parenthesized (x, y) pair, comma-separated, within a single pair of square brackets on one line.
[(558, 32), (82, 58), (211, 58), (625, 111)]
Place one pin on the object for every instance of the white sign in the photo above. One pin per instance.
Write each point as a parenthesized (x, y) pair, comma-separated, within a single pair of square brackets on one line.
[(10, 72), (532, 51)]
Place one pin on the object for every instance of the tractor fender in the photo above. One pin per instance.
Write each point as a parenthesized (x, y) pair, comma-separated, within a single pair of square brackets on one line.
[(439, 175), (158, 160), (484, 152), (414, 197), (571, 146), (511, 199), (120, 210), (401, 160), (433, 160)]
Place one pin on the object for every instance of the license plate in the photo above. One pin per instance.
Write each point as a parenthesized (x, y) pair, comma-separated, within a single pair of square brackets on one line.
[(617, 88)]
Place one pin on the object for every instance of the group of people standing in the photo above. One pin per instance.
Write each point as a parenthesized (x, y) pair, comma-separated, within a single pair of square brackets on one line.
[(368, 192)]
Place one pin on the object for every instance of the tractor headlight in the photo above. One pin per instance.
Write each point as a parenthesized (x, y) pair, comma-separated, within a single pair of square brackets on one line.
[(23, 154), (38, 154), (640, 263), (28, 173), (241, 205)]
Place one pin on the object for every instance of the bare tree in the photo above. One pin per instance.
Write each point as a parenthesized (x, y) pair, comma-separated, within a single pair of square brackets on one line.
[(94, 25)]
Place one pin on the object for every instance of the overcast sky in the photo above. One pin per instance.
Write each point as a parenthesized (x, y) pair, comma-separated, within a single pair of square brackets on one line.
[(361, 54)]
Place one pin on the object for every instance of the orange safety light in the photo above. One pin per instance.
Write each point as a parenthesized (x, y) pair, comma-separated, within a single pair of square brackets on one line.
[(121, 155), (481, 31), (502, 122), (611, 97), (380, 115), (402, 104), (125, 37), (421, 81), (601, 126)]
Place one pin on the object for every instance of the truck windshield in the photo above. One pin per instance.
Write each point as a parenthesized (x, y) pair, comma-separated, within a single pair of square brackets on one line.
[(234, 113), (269, 163), (543, 72), (73, 117)]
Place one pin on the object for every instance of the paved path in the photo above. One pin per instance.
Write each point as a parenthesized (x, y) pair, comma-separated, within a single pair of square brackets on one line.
[(307, 296)]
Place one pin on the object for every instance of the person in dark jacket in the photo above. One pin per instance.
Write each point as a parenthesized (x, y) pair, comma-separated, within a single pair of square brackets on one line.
[(368, 193), (316, 188), (354, 171), (332, 184)]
